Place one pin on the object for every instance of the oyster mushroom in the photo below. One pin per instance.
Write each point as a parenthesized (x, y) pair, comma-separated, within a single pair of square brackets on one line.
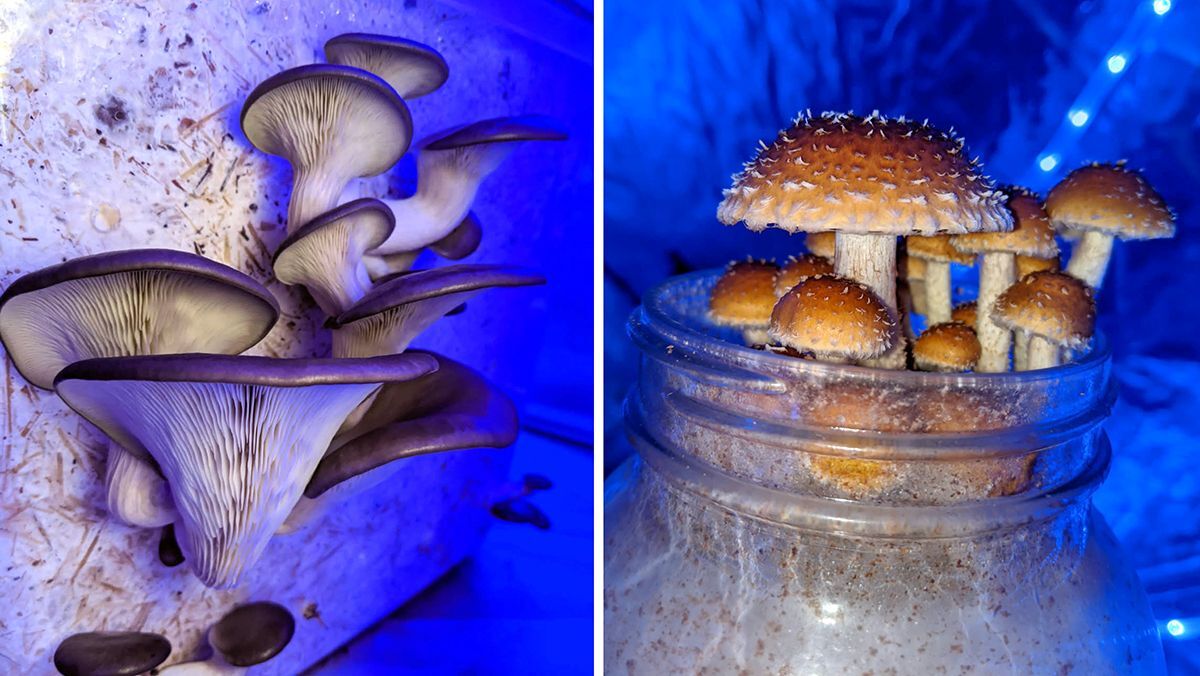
[(137, 493), (1056, 309), (869, 180), (236, 437), (797, 269), (937, 255), (111, 653), (332, 124), (1033, 235), (837, 319), (949, 347), (326, 254), (247, 635), (395, 312), (462, 241), (743, 298), (450, 167), (411, 68), (1103, 202)]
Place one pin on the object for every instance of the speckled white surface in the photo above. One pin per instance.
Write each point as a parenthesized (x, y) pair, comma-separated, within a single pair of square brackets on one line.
[(118, 129)]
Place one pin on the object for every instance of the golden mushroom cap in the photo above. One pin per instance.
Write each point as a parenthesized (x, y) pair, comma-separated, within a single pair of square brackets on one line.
[(937, 248), (950, 346), (1027, 265), (863, 175), (964, 312), (830, 315), (1032, 233), (1053, 305), (820, 243), (1112, 199), (798, 268), (744, 295)]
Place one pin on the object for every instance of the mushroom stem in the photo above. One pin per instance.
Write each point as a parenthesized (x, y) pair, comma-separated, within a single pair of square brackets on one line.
[(997, 272), (871, 259), (1089, 258), (1043, 354), (137, 494), (937, 292), (313, 193), (1021, 351)]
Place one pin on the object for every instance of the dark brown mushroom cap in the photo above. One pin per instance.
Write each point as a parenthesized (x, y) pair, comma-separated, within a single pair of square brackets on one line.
[(253, 633), (462, 241), (71, 309), (497, 130), (379, 212), (1053, 305), (1032, 234), (864, 175), (744, 295), (937, 248), (950, 346), (412, 68), (1112, 199), (284, 103), (833, 315), (454, 408), (799, 268), (111, 653), (964, 312)]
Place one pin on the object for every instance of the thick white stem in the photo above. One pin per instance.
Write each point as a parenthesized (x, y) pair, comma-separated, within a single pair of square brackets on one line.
[(137, 493), (1021, 351), (1043, 354), (937, 292), (871, 259), (1089, 258), (997, 272), (313, 193)]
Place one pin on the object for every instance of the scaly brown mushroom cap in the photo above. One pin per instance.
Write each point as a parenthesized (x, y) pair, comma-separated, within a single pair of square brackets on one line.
[(1027, 265), (744, 295), (938, 249), (1112, 199), (830, 315), (820, 243), (964, 312), (864, 175), (1053, 305), (1032, 234), (950, 347), (797, 269)]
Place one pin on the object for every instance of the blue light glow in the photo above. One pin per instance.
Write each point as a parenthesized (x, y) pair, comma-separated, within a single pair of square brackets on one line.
[(1079, 117), (1116, 63), (1162, 7), (1175, 627), (1048, 162)]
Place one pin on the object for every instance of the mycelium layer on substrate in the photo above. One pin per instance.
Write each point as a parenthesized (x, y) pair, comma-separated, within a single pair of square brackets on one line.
[(869, 179), (237, 438), (123, 303)]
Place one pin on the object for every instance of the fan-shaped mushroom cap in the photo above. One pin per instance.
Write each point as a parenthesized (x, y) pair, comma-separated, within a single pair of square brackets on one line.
[(110, 653), (744, 295), (830, 315), (1112, 199), (950, 347), (462, 241), (137, 494), (326, 254), (1027, 265), (450, 167), (252, 633), (1032, 234), (332, 123), (964, 312), (938, 249), (395, 312), (450, 409), (869, 175), (820, 243), (1053, 305), (236, 437), (411, 68), (140, 301), (797, 269)]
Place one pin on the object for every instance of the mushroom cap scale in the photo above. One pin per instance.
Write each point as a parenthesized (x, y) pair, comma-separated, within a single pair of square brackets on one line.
[(831, 315), (869, 175), (1032, 235), (950, 346), (496, 130), (412, 68), (252, 633), (937, 248), (140, 301), (1053, 305), (1111, 199), (111, 653), (744, 295), (797, 269)]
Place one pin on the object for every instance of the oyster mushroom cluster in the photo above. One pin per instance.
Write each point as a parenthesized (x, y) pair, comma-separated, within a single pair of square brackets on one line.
[(220, 448), (887, 205)]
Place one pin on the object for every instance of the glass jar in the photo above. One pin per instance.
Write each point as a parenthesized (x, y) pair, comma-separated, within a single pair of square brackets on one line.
[(789, 516)]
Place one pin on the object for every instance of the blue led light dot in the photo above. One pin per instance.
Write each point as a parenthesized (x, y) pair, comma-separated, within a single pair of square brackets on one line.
[(1175, 628), (1162, 6), (1079, 117), (1116, 63), (1048, 162)]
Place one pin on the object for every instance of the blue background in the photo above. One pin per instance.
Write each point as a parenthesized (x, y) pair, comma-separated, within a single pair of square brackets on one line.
[(691, 87)]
